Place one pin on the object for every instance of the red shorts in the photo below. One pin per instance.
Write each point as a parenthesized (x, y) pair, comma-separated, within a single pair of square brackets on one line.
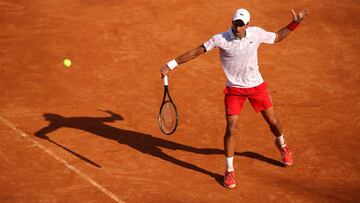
[(235, 98)]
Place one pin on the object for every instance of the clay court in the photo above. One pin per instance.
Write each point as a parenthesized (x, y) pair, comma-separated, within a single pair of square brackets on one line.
[(89, 133)]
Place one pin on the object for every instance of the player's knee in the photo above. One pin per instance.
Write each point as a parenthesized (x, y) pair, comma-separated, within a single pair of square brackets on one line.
[(231, 125), (231, 129)]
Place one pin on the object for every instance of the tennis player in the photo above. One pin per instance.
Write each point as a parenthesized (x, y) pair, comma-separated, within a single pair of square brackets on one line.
[(238, 54)]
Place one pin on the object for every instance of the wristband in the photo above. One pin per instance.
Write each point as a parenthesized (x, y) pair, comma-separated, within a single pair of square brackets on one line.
[(172, 64), (293, 25)]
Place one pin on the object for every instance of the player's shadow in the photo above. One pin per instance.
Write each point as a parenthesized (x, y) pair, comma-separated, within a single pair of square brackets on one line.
[(144, 143)]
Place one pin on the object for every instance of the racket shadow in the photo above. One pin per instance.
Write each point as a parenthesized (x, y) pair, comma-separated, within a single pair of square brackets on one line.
[(144, 143)]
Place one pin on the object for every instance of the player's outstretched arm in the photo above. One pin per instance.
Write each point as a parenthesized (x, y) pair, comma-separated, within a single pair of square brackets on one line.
[(192, 54), (297, 18)]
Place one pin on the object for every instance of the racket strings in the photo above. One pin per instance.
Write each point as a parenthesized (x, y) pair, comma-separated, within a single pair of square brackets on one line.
[(168, 118)]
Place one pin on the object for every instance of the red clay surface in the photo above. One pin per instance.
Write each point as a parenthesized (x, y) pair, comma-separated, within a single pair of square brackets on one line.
[(117, 48)]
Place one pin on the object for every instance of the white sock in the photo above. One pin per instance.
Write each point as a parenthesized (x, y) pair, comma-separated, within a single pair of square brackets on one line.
[(280, 140), (229, 164)]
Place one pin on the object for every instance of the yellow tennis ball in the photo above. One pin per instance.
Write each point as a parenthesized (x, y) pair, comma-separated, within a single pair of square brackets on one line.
[(67, 63)]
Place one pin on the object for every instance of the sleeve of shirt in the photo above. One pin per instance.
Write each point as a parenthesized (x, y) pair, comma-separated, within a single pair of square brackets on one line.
[(212, 43), (267, 37)]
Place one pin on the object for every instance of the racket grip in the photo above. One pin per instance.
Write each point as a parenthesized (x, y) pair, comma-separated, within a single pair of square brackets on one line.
[(166, 80)]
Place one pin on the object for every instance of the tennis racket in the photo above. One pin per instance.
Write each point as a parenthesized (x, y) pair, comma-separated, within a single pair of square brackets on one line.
[(168, 116)]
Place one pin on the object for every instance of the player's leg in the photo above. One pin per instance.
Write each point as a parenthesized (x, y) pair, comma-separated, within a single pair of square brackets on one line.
[(261, 102), (276, 128), (229, 147), (273, 122), (230, 135), (233, 104)]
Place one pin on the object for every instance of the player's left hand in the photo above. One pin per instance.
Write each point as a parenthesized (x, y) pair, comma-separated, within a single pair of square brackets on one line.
[(298, 17)]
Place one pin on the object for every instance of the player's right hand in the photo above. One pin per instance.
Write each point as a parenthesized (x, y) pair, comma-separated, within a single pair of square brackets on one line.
[(164, 70)]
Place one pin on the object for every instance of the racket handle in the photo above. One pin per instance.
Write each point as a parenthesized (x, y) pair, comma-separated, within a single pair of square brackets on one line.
[(166, 80)]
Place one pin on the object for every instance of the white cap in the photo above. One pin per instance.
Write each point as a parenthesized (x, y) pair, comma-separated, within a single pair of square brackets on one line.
[(242, 14)]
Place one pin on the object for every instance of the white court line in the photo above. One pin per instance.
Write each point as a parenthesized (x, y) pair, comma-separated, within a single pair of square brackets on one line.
[(68, 165)]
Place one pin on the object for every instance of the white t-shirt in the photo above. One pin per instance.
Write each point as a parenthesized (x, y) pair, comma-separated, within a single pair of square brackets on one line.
[(239, 56)]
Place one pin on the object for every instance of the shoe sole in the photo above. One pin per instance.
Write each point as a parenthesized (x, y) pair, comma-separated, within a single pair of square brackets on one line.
[(288, 164), (230, 186)]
